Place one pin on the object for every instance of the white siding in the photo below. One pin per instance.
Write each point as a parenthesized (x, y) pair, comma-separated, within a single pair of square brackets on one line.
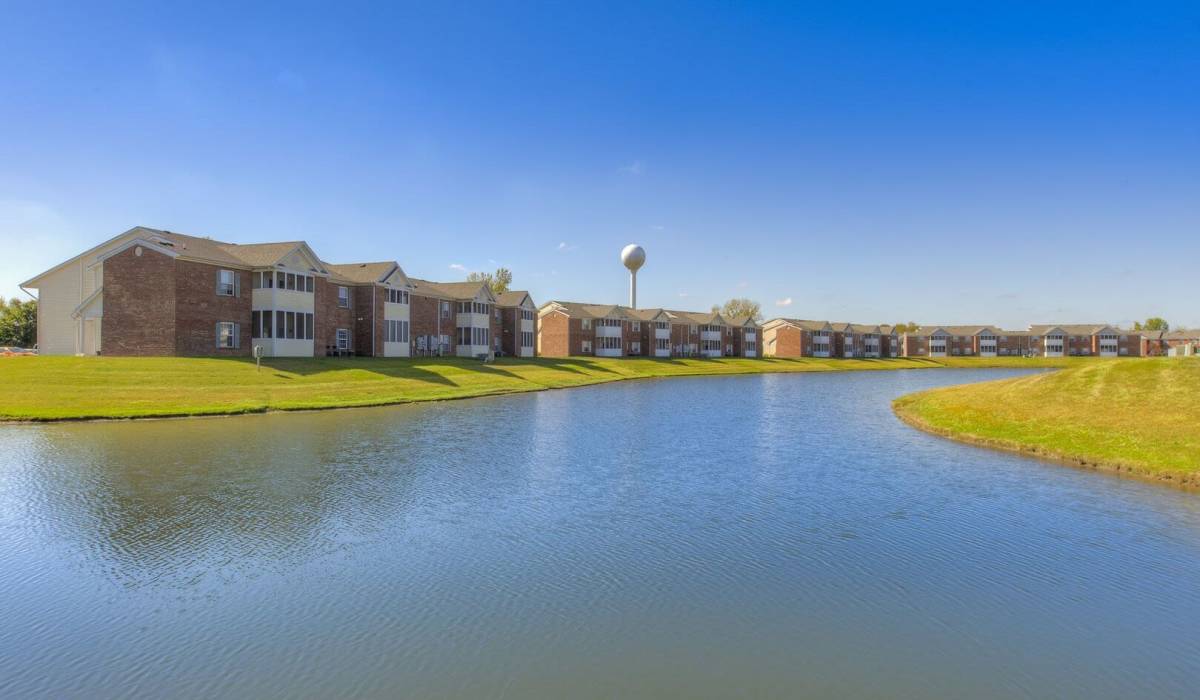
[(58, 295)]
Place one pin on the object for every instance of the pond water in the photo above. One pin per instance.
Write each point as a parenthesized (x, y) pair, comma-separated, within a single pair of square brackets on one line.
[(704, 537)]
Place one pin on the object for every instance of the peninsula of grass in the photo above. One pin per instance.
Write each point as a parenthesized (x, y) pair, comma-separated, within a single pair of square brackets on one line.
[(81, 388), (1140, 417)]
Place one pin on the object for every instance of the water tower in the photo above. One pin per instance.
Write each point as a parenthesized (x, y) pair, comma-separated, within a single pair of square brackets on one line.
[(633, 256)]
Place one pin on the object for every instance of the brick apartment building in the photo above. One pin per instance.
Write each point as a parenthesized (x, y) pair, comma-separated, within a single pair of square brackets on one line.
[(1067, 340), (604, 330), (1177, 342), (154, 292), (795, 337)]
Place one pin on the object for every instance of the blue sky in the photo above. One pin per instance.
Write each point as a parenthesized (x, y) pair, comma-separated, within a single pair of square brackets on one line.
[(874, 162)]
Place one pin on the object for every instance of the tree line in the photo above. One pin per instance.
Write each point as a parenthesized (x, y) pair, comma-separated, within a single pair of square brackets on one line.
[(18, 322)]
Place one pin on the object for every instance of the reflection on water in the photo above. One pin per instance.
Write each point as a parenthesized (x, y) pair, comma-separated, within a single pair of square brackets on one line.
[(777, 534)]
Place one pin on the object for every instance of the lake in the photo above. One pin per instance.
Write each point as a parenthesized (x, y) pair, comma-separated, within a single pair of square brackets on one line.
[(707, 537)]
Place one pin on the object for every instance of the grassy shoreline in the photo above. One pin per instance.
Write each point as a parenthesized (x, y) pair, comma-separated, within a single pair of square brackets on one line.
[(1139, 418), (105, 388)]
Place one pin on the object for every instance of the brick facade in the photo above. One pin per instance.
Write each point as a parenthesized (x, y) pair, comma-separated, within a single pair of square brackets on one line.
[(139, 304), (329, 317)]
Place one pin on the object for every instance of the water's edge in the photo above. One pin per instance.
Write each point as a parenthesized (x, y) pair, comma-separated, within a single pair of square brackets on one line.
[(1186, 482)]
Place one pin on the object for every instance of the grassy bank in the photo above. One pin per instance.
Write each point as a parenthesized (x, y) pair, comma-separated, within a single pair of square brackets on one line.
[(1137, 416), (67, 388)]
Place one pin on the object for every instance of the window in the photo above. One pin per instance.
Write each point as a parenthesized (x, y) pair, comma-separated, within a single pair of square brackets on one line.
[(343, 297), (396, 331), (227, 283), (291, 281), (281, 280), (587, 324), (662, 344), (445, 310), (637, 326), (609, 342), (526, 315), (308, 284), (497, 314), (343, 338), (397, 296), (227, 335), (256, 322), (526, 339), (587, 347)]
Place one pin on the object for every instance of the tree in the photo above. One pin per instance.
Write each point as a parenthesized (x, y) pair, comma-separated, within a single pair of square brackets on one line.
[(1154, 323), (909, 327), (18, 323), (498, 282), (736, 308)]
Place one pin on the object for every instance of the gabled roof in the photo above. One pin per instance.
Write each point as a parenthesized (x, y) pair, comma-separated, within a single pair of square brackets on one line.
[(194, 248), (1073, 328), (801, 323), (576, 309), (460, 291), (650, 314), (706, 318), (746, 321), (363, 273), (513, 298)]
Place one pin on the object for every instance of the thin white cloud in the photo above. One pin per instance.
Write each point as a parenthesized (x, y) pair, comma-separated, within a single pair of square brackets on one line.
[(683, 295), (634, 168), (786, 301), (458, 268), (566, 247)]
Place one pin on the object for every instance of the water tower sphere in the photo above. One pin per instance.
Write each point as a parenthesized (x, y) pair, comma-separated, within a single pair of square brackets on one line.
[(633, 256)]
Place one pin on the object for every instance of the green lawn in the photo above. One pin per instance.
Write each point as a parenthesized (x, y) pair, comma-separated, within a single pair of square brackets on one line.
[(1139, 416), (62, 388)]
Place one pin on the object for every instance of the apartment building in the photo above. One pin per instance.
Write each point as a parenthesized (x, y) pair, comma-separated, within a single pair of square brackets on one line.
[(1078, 340), (708, 334), (1176, 343), (155, 292), (567, 328), (963, 341), (745, 332), (793, 337), (657, 331), (518, 323), (605, 330)]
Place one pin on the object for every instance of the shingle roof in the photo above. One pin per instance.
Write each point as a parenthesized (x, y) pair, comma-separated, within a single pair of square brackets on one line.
[(1070, 328), (582, 310), (449, 290), (362, 273), (512, 297), (697, 317), (803, 323), (261, 254), (210, 250)]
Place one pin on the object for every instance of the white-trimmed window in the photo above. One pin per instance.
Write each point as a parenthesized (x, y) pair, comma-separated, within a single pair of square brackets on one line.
[(227, 335), (228, 283), (343, 338), (526, 339), (397, 296), (343, 297), (587, 347), (587, 324), (526, 315), (445, 311)]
